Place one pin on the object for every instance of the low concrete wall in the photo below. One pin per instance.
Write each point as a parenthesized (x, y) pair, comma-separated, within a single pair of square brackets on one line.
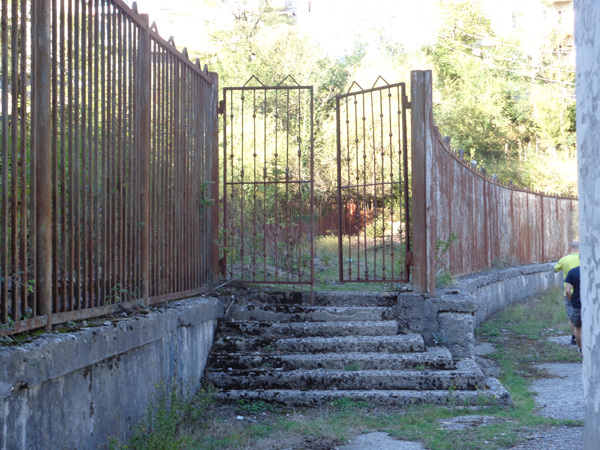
[(495, 290), (456, 312), (74, 390)]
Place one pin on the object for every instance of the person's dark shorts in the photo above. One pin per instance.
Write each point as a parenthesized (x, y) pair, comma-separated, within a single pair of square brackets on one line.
[(569, 308), (576, 317)]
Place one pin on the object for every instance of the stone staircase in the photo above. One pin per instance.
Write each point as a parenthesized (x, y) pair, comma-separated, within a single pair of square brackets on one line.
[(308, 355)]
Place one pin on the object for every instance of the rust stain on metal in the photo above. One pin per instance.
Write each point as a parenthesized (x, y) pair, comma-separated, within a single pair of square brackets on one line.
[(106, 173)]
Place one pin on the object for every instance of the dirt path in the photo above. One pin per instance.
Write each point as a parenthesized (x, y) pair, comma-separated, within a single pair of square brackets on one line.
[(559, 396)]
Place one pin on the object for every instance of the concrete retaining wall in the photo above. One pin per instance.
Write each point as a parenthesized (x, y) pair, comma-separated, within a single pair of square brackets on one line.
[(495, 290), (74, 390), (455, 313)]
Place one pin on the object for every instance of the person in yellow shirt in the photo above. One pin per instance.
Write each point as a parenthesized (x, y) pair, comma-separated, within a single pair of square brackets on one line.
[(565, 264)]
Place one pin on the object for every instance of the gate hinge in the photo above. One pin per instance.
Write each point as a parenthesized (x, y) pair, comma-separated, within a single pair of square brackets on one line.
[(409, 259), (221, 108)]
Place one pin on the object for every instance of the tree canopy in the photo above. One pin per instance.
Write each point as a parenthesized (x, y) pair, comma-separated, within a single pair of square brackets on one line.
[(509, 107)]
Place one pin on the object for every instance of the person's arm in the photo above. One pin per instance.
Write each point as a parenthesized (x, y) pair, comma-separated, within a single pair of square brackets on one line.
[(568, 289), (558, 267)]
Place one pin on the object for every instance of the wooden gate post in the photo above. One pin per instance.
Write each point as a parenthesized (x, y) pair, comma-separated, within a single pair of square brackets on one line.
[(423, 206)]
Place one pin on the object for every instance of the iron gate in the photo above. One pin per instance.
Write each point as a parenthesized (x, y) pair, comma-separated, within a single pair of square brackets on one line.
[(373, 189), (268, 200)]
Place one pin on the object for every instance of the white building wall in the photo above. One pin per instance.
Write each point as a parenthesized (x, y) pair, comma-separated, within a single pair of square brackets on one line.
[(587, 41)]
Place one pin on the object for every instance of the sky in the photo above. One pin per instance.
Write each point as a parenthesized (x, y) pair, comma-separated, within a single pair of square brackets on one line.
[(334, 23)]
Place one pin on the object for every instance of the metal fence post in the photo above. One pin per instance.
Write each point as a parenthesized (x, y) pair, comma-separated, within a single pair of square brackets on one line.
[(42, 155), (423, 243), (143, 106), (214, 186)]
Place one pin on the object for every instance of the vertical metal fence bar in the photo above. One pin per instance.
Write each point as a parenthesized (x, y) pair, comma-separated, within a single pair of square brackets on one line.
[(5, 192), (54, 143), (96, 256), (131, 161), (102, 129), (64, 273), (143, 150), (43, 159), (16, 276), (341, 208), (22, 301), (110, 152), (120, 150)]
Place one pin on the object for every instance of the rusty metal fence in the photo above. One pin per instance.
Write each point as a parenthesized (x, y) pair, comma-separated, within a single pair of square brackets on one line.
[(495, 224), (108, 151), (268, 183), (479, 220), (373, 188)]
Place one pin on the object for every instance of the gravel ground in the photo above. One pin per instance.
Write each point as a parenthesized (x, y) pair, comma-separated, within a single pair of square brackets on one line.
[(561, 397), (553, 438)]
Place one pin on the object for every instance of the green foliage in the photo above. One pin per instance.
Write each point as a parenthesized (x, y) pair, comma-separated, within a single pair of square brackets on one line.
[(508, 108), (122, 293), (347, 404), (443, 277), (258, 406), (172, 413), (439, 339), (442, 247)]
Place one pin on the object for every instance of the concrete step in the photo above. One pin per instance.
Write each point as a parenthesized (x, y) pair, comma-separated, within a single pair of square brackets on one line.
[(286, 313), (389, 344), (435, 358), (327, 298), (492, 393), (309, 329), (354, 298), (467, 376)]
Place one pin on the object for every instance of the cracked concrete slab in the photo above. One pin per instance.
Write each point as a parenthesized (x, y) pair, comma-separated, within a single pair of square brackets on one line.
[(381, 441)]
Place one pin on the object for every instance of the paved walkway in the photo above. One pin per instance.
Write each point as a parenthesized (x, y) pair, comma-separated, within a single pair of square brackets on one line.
[(380, 441)]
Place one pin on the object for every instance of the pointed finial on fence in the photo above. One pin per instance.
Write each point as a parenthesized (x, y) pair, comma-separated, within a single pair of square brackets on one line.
[(206, 69), (483, 171), (172, 41), (495, 177), (446, 140), (461, 154), (474, 165), (510, 183), (198, 63), (134, 7), (154, 27), (184, 52)]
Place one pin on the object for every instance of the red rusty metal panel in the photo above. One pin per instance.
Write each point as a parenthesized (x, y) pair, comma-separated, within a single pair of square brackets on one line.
[(494, 223)]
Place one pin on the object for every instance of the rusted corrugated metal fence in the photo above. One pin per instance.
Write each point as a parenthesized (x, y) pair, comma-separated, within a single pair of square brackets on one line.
[(494, 223), (108, 152)]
